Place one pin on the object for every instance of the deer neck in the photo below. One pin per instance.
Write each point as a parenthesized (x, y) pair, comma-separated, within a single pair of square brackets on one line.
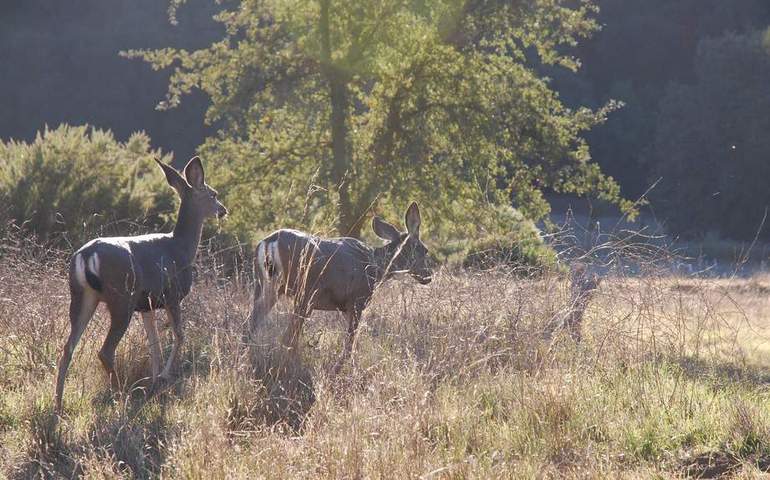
[(187, 231), (381, 262)]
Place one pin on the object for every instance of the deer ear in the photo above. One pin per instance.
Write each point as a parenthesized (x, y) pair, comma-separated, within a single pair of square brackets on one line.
[(173, 177), (412, 219), (385, 230), (193, 172)]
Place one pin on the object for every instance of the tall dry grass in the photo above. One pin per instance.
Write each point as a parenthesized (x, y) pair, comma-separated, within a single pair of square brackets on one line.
[(464, 378)]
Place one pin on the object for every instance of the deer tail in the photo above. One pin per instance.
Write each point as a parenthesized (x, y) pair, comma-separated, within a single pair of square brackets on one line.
[(260, 269), (262, 274), (87, 270)]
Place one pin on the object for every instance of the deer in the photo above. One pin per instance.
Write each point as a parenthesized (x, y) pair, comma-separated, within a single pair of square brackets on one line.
[(584, 284), (333, 274), (140, 273)]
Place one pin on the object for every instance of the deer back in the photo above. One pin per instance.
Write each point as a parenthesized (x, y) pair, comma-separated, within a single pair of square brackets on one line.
[(147, 268), (324, 274)]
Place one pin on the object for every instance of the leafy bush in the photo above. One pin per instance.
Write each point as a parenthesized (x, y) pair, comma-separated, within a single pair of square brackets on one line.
[(514, 251), (73, 181), (513, 243)]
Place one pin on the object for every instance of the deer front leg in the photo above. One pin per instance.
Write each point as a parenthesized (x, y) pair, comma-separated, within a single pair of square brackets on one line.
[(151, 328), (174, 313), (353, 316), (293, 332)]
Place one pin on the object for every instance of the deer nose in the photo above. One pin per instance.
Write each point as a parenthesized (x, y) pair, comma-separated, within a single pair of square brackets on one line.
[(222, 212)]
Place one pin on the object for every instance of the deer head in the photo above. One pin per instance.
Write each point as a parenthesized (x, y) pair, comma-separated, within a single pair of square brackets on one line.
[(405, 251), (193, 189)]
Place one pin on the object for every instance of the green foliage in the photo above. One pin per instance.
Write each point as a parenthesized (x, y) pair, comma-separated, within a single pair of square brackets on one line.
[(711, 141), (72, 181), (514, 248), (332, 109), (641, 48), (524, 254)]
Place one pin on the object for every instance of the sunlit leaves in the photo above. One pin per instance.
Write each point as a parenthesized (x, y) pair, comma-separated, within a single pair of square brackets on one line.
[(445, 103)]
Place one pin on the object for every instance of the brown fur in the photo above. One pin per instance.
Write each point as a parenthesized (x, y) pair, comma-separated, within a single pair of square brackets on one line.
[(338, 274), (584, 284), (140, 273)]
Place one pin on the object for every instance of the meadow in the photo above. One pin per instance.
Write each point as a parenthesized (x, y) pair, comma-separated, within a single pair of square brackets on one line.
[(463, 378)]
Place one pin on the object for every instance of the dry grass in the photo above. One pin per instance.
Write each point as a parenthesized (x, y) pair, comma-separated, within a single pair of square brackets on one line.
[(458, 379)]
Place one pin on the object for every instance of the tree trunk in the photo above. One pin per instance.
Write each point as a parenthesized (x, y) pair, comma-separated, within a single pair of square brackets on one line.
[(341, 161), (338, 95)]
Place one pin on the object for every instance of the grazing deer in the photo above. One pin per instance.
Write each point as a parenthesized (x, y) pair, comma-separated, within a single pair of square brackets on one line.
[(338, 274), (140, 274)]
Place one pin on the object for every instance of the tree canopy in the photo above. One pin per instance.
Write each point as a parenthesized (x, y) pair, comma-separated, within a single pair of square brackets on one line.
[(330, 109)]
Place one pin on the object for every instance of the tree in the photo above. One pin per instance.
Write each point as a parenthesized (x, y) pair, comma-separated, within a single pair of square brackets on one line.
[(329, 109), (711, 145)]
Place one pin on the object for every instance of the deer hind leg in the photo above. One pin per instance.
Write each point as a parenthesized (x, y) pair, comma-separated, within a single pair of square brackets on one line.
[(267, 271), (151, 329), (120, 317), (174, 313), (574, 323), (83, 303)]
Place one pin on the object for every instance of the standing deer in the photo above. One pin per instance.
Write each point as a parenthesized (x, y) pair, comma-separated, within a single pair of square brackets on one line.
[(140, 274), (584, 286), (338, 274)]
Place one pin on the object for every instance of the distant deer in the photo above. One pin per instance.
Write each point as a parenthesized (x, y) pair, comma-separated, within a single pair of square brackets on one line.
[(584, 285), (338, 274), (140, 274)]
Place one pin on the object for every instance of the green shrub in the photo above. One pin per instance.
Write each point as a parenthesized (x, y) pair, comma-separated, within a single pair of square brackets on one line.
[(512, 242), (511, 251), (71, 183)]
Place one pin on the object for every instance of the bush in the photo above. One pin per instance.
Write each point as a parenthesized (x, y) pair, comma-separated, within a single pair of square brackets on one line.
[(516, 244), (73, 182), (513, 251)]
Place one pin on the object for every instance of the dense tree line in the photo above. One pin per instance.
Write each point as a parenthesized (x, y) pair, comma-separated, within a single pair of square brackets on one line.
[(693, 77), (690, 73), (61, 65)]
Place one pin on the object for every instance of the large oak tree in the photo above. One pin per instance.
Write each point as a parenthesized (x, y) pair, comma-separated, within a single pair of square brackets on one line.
[(328, 109)]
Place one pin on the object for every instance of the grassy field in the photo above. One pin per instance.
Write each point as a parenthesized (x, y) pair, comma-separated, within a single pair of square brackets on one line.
[(457, 379)]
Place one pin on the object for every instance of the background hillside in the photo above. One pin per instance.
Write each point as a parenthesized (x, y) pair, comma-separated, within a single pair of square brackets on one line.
[(692, 75), (61, 65)]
